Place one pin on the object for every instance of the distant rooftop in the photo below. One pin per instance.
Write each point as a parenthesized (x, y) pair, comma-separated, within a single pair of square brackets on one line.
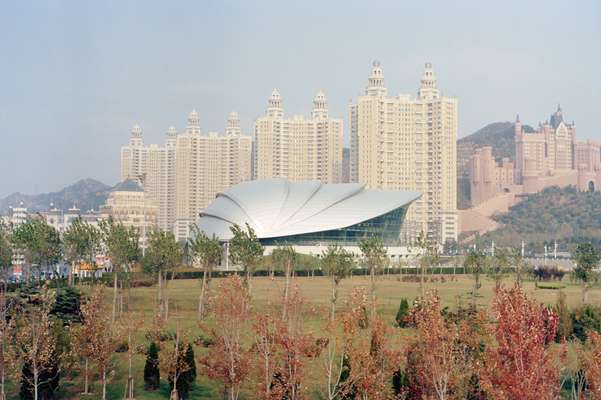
[(128, 185)]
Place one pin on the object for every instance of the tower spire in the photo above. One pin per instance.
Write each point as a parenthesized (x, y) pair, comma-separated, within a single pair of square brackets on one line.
[(428, 89), (193, 122), (320, 106), (233, 124), (375, 83), (274, 105), (136, 137)]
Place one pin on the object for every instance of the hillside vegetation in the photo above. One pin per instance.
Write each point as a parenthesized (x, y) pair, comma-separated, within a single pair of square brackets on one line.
[(564, 215)]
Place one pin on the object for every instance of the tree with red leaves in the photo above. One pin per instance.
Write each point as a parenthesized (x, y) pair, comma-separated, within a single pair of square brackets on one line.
[(441, 358), (283, 347), (370, 358), (592, 362), (227, 360), (521, 366)]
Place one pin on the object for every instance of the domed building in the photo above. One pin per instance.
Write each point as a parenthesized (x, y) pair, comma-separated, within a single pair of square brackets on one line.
[(127, 203), (308, 213)]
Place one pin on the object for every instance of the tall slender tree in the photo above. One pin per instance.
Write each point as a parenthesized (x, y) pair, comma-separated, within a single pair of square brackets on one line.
[(497, 266), (587, 258), (592, 362), (337, 264), (206, 252), (123, 247), (37, 346), (428, 257), (287, 258), (370, 354), (475, 262), (130, 325), (81, 243), (375, 257), (85, 336), (173, 362), (227, 359), (164, 254), (522, 365), (245, 250), (7, 335)]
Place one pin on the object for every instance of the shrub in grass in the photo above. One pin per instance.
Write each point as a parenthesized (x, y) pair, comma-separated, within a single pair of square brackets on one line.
[(402, 313), (152, 374)]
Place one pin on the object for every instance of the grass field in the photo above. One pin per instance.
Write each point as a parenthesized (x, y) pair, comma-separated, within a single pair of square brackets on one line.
[(183, 297)]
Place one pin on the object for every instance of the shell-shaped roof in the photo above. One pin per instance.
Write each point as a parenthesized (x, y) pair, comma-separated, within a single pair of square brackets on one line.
[(278, 207)]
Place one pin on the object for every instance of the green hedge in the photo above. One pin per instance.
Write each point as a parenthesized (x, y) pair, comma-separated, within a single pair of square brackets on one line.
[(107, 278)]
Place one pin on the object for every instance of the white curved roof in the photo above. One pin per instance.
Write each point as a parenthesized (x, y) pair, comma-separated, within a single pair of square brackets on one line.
[(278, 207)]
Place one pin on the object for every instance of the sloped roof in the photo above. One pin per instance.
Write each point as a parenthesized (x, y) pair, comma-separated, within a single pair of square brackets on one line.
[(128, 185), (278, 207)]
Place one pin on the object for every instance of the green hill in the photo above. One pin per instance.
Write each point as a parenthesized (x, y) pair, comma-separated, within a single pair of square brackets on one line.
[(498, 135), (564, 215)]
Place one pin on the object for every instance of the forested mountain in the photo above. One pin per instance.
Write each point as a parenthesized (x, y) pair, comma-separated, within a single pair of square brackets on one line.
[(85, 194), (564, 215)]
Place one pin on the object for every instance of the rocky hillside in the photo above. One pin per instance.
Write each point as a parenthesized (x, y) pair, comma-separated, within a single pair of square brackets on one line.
[(85, 194), (563, 215)]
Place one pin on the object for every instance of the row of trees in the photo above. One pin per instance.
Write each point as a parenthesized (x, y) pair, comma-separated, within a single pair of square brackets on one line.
[(586, 257), (271, 353)]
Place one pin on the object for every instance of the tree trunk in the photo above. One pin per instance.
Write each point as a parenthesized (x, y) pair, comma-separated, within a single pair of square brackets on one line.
[(248, 278), (373, 291), (130, 376), (201, 299), (166, 294), (286, 291), (333, 300), (115, 290), (103, 383), (584, 288), (35, 382), (2, 378), (421, 283), (70, 276), (86, 388), (160, 294)]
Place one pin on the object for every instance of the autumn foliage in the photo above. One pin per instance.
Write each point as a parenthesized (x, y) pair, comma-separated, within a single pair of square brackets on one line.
[(371, 357), (521, 366), (441, 359), (228, 359), (592, 363)]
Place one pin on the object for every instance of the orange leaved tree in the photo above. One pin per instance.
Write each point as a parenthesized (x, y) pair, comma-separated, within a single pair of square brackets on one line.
[(227, 359), (592, 362), (521, 365), (282, 348), (370, 356)]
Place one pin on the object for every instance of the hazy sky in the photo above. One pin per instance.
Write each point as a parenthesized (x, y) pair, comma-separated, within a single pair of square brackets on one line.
[(76, 75)]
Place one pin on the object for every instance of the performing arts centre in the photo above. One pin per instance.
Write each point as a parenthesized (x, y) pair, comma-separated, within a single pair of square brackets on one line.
[(310, 215)]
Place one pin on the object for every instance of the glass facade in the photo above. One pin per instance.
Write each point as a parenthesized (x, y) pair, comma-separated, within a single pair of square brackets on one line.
[(386, 226)]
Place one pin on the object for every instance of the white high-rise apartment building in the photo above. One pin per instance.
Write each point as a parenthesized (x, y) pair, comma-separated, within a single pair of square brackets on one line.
[(205, 165), (297, 148), (154, 167), (409, 143), (183, 176)]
